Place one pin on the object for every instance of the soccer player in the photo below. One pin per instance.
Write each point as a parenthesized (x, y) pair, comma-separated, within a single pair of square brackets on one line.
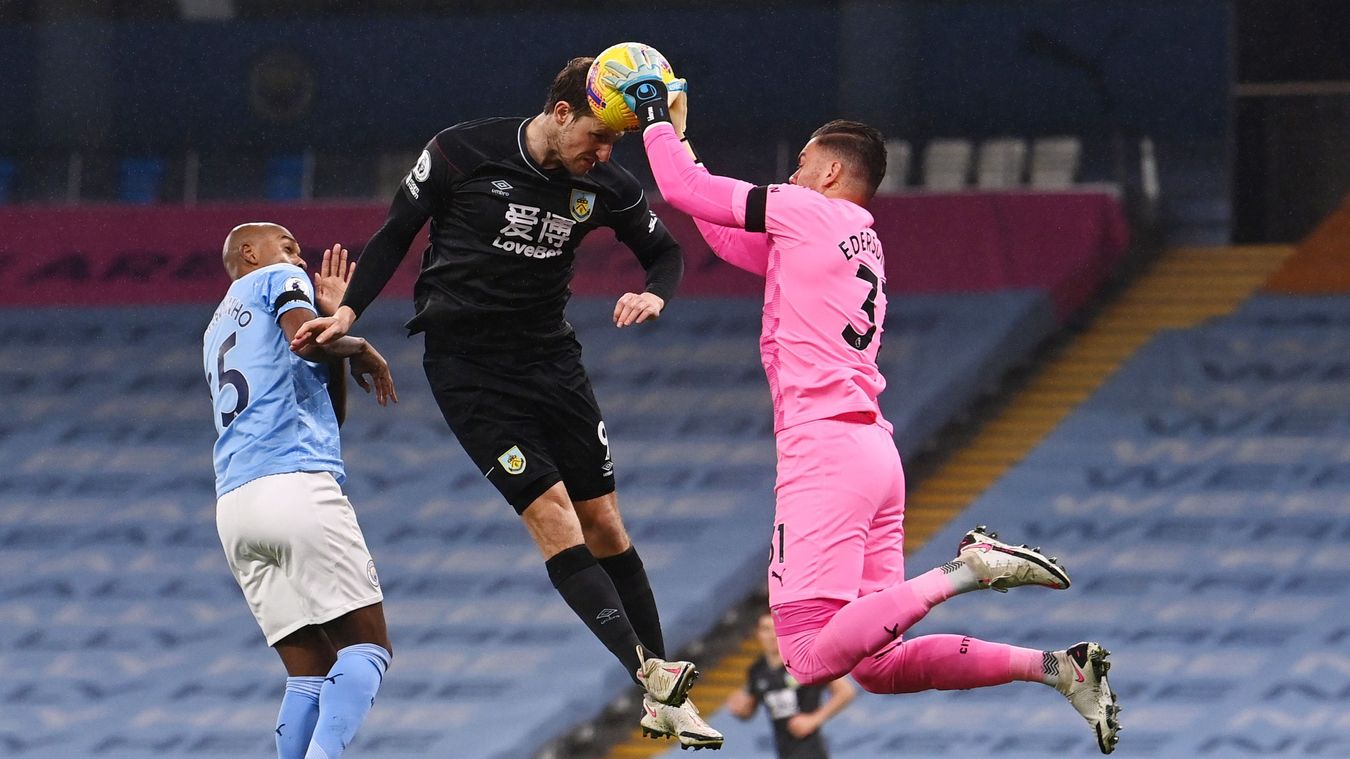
[(290, 535), (836, 578), (797, 711), (509, 200)]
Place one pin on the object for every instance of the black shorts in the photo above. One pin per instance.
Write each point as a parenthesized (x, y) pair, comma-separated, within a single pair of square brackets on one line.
[(528, 419)]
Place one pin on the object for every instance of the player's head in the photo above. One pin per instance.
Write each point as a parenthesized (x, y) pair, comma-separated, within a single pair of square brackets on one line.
[(768, 636), (576, 138), (257, 244), (844, 159)]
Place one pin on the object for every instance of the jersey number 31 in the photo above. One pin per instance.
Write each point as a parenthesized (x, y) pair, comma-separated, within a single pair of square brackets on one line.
[(854, 338)]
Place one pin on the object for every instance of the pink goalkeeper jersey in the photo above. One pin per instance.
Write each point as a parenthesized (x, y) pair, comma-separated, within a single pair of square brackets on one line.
[(824, 280)]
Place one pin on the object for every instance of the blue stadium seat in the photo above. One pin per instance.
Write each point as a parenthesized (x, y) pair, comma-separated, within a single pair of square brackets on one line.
[(1199, 498), (106, 507), (140, 179), (286, 177)]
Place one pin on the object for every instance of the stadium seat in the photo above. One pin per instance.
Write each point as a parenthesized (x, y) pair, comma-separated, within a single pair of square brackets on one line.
[(1054, 162), (140, 179), (1000, 163), (290, 176), (113, 511), (946, 164), (898, 155)]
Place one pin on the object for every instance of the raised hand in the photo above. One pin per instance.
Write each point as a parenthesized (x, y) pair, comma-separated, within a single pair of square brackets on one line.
[(643, 89), (330, 282)]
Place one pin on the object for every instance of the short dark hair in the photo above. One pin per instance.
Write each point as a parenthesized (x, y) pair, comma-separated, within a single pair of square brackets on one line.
[(860, 145), (569, 86)]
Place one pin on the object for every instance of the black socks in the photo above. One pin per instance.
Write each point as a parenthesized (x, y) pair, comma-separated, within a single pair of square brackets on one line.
[(630, 579), (590, 592)]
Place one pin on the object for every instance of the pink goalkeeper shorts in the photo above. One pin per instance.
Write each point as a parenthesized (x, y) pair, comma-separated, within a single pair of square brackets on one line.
[(838, 528)]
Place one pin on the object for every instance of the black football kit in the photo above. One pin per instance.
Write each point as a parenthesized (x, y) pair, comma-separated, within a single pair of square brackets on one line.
[(784, 698), (503, 363)]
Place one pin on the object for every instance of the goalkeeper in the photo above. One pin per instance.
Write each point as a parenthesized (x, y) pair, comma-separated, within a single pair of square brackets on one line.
[(836, 579)]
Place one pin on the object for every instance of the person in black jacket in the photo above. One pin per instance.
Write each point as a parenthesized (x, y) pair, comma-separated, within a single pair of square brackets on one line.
[(509, 200), (797, 711)]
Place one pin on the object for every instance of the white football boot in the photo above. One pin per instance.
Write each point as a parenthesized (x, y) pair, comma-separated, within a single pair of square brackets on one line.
[(1000, 566), (1082, 680), (667, 682), (682, 722)]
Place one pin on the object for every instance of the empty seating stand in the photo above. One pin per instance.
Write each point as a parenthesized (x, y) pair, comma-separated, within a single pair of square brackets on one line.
[(899, 154), (107, 521), (1001, 164), (946, 164), (1054, 162)]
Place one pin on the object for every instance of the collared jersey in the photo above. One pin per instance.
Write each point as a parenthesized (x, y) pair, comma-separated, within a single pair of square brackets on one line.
[(824, 304), (504, 233), (824, 281), (271, 408)]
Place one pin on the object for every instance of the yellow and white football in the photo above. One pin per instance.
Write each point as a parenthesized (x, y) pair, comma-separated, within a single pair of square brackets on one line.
[(607, 103)]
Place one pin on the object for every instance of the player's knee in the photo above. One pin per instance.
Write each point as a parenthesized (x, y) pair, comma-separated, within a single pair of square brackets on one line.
[(813, 676), (871, 678)]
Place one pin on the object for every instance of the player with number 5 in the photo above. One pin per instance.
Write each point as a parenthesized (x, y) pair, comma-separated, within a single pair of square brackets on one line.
[(290, 535), (836, 578)]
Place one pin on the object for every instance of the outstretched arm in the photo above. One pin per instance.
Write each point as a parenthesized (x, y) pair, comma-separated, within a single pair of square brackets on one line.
[(717, 203), (687, 185), (379, 260), (742, 249), (731, 243), (368, 367)]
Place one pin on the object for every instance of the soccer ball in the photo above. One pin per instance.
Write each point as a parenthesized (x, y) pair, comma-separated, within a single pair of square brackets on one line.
[(606, 102)]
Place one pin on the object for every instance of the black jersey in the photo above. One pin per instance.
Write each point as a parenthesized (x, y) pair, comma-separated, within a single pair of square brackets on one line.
[(784, 698), (504, 234)]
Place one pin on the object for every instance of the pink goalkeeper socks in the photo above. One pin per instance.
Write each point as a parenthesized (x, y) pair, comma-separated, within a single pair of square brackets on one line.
[(821, 640), (947, 662)]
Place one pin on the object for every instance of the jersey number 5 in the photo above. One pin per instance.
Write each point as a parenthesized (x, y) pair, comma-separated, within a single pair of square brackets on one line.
[(231, 377), (855, 339)]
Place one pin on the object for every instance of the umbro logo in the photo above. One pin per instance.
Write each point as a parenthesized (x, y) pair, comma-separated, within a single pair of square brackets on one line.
[(607, 615), (501, 187)]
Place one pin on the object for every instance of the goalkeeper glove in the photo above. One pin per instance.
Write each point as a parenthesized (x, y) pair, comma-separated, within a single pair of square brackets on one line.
[(643, 89)]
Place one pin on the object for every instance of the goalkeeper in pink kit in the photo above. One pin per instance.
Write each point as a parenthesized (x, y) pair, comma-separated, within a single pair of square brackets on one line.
[(836, 578)]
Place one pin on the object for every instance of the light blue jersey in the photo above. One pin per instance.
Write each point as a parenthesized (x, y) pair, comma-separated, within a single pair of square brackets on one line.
[(271, 407)]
